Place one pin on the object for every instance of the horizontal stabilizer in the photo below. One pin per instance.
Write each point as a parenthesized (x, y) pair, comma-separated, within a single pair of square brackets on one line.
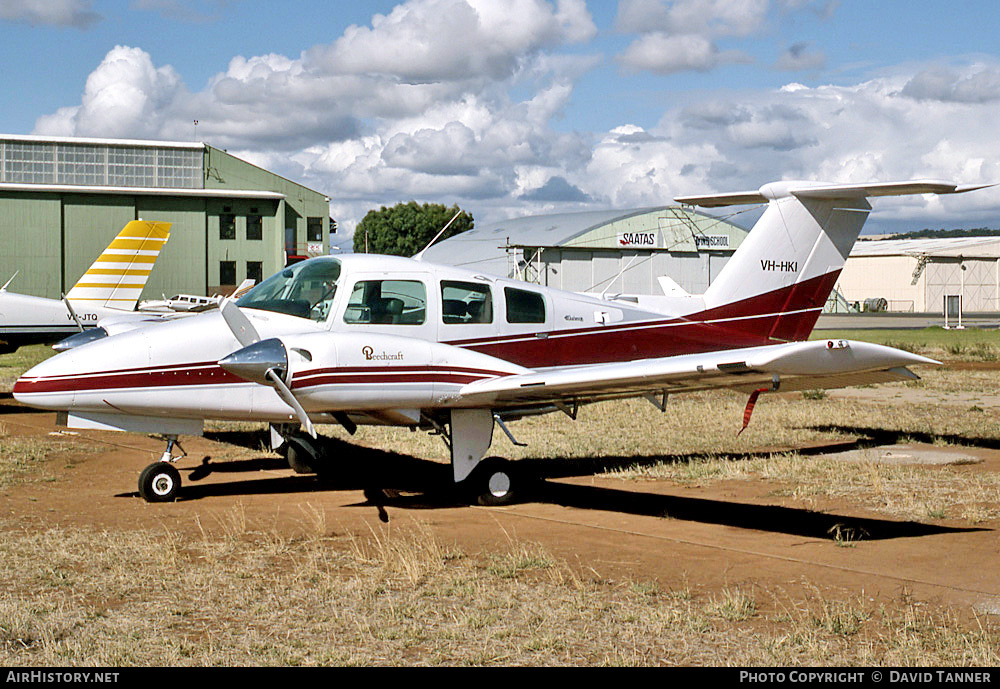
[(815, 190), (670, 288)]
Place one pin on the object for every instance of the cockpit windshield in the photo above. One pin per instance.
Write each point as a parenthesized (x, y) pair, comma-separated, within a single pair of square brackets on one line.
[(305, 290)]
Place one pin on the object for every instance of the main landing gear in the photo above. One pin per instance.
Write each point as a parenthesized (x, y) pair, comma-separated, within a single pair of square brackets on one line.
[(160, 481), (492, 481), (303, 452)]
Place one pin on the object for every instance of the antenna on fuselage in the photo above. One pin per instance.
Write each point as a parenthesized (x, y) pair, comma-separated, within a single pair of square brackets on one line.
[(4, 288), (419, 256)]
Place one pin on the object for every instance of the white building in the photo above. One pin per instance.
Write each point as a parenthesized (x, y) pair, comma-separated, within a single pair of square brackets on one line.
[(918, 274)]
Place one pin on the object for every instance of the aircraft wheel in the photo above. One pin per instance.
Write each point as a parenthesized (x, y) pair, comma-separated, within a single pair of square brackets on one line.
[(495, 482), (300, 459), (159, 482)]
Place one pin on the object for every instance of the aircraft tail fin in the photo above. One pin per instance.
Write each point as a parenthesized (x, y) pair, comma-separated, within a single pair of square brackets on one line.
[(777, 282), (243, 288), (116, 278)]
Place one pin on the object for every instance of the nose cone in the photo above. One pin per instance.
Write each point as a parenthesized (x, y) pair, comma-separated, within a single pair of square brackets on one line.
[(254, 361)]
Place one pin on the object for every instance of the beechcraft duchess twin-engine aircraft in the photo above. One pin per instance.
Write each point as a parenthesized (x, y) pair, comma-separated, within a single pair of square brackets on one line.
[(108, 290), (386, 340)]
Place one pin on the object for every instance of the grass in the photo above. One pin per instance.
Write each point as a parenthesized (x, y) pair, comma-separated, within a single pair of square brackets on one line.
[(14, 364), (24, 458), (969, 344), (237, 596)]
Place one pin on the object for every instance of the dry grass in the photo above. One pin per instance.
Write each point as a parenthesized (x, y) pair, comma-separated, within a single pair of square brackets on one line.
[(14, 364), (240, 594), (396, 597), (24, 458)]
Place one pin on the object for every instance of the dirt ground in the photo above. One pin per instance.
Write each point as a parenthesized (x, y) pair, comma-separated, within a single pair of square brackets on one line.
[(735, 533)]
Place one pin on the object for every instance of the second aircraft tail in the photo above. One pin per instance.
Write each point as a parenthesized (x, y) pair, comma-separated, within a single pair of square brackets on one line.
[(116, 278)]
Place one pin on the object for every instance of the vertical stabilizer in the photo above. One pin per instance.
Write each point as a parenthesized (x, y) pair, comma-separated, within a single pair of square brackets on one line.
[(777, 282), (116, 278)]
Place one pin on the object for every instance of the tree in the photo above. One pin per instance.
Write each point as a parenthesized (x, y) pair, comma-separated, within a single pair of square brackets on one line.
[(406, 228)]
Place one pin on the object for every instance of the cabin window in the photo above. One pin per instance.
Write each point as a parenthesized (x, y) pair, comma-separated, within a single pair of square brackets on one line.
[(387, 302), (466, 302), (524, 306)]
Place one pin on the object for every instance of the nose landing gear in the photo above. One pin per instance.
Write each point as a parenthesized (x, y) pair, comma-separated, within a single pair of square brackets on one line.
[(160, 481)]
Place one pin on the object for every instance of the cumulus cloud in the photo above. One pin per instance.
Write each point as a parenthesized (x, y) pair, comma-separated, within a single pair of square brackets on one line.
[(557, 189), (800, 56), (854, 133), (708, 17), (682, 35), (433, 40), (126, 96), (943, 84), (475, 123), (75, 13), (664, 54)]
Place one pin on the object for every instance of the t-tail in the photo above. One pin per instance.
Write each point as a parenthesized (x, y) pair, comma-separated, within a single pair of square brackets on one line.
[(116, 278), (777, 282)]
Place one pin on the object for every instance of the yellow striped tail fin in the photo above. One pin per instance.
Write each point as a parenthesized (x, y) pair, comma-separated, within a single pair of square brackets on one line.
[(118, 275)]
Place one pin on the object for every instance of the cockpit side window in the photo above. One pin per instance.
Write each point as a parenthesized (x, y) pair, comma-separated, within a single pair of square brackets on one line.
[(305, 290)]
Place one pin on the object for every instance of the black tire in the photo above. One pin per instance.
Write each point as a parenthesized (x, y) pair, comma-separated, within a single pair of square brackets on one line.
[(159, 482), (495, 482), (299, 458)]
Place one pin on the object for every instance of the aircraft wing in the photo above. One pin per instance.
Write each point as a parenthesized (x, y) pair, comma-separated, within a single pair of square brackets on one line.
[(785, 367)]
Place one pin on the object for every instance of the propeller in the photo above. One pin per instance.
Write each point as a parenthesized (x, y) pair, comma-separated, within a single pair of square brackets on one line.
[(69, 307), (260, 361)]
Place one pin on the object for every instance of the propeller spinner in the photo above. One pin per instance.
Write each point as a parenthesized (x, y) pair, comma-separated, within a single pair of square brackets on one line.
[(260, 361)]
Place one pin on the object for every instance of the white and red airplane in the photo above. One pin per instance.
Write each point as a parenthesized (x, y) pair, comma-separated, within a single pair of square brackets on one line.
[(369, 339)]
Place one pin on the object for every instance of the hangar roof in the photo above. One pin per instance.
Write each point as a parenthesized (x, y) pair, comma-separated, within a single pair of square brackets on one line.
[(34, 138), (966, 247), (145, 191), (485, 247)]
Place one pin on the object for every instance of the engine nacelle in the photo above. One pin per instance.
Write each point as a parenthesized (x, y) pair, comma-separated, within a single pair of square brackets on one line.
[(354, 371)]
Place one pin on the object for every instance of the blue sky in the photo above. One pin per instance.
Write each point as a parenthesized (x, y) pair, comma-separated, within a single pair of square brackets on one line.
[(513, 107)]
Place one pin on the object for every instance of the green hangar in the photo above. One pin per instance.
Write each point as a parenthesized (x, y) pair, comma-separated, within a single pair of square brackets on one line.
[(62, 201)]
